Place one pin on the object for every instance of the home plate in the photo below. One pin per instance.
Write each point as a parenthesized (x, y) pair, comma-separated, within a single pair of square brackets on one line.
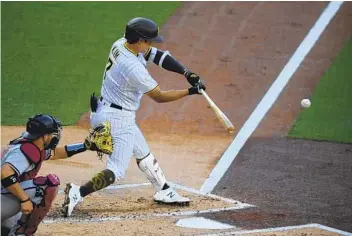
[(202, 223)]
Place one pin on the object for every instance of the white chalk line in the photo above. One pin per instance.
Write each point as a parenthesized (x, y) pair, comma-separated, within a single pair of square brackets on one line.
[(195, 191), (241, 232), (141, 216), (270, 97)]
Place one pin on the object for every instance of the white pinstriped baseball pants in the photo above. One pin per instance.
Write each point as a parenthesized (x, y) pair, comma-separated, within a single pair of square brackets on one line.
[(127, 138)]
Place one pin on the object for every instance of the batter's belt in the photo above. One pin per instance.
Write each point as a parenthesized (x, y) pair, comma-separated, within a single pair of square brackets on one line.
[(111, 104)]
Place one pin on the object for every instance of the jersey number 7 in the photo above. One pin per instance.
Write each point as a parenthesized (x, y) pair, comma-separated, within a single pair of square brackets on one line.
[(108, 66)]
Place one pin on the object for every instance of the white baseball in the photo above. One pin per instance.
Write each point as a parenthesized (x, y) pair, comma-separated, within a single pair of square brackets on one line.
[(305, 103)]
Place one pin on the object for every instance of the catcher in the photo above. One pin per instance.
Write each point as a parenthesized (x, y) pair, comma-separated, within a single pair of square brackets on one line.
[(26, 198)]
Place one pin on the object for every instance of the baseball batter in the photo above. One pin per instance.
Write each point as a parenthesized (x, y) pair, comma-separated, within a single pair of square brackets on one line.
[(26, 198), (125, 80)]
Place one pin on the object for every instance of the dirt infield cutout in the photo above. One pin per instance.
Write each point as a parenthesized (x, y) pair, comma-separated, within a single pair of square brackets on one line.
[(133, 203), (133, 206)]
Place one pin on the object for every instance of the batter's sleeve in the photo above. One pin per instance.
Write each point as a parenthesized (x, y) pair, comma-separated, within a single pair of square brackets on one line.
[(17, 161), (140, 78)]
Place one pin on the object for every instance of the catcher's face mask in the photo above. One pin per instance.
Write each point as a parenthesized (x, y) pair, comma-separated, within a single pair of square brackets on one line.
[(54, 141)]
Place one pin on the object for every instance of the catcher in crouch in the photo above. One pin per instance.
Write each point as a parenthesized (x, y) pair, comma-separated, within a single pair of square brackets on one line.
[(26, 198)]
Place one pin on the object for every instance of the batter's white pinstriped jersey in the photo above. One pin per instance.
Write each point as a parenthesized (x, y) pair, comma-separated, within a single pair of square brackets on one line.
[(126, 78)]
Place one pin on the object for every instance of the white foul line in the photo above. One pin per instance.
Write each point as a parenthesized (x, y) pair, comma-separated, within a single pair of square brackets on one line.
[(283, 229), (270, 97)]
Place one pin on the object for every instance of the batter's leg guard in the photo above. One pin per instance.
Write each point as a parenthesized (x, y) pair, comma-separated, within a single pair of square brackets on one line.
[(153, 172), (47, 188), (150, 167)]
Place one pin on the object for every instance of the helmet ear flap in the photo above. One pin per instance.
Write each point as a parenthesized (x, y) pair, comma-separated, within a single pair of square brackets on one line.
[(131, 36)]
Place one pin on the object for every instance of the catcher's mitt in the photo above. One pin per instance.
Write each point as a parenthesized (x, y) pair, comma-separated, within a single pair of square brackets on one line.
[(100, 140)]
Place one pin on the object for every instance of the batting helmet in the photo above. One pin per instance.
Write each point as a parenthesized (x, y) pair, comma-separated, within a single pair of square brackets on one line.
[(142, 28), (40, 125)]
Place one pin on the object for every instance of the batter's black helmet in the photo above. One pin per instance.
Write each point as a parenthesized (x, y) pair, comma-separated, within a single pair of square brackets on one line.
[(142, 28), (40, 125)]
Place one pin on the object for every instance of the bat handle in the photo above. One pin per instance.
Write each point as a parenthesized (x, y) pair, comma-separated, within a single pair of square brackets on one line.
[(211, 103)]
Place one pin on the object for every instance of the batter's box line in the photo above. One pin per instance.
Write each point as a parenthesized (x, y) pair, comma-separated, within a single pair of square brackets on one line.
[(143, 216), (180, 187), (195, 191)]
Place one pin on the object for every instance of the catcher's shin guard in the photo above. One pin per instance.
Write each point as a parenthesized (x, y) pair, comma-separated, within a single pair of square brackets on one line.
[(47, 188), (152, 170)]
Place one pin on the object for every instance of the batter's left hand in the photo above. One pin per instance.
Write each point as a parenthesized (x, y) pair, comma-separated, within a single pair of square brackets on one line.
[(192, 78)]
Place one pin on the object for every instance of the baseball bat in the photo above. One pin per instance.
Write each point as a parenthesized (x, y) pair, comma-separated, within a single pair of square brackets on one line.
[(219, 114)]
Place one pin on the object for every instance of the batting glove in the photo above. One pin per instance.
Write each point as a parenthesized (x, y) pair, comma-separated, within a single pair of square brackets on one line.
[(196, 89), (192, 78)]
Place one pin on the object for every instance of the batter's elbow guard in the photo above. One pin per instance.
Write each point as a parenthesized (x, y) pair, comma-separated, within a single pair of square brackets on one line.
[(166, 61)]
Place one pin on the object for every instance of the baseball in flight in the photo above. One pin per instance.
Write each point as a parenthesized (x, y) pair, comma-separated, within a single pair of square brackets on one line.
[(305, 103)]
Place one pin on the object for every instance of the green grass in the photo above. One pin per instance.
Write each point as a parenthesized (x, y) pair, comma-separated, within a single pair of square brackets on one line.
[(54, 53), (330, 116)]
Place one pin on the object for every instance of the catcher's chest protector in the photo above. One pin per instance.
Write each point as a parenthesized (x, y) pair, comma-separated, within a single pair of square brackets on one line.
[(34, 156)]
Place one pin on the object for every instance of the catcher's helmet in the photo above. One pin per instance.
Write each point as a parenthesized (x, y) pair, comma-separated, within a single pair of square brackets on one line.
[(40, 125), (142, 28)]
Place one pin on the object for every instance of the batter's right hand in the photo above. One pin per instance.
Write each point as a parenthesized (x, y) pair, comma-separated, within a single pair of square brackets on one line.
[(196, 89), (27, 207)]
